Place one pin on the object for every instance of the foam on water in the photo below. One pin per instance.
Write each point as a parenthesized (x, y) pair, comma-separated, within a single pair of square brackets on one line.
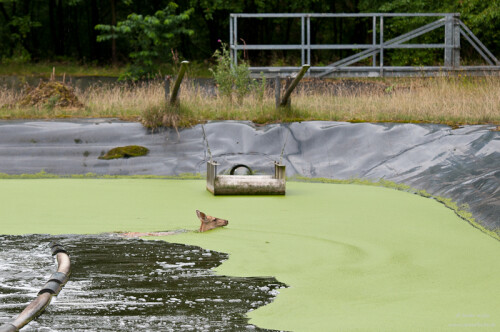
[(128, 284)]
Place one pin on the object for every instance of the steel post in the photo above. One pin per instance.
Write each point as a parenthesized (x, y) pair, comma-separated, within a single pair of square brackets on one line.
[(456, 42), (448, 41), (381, 46), (231, 44), (308, 39), (374, 39), (302, 36), (235, 40)]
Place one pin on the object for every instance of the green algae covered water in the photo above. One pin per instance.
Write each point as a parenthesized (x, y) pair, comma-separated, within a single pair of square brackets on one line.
[(354, 257)]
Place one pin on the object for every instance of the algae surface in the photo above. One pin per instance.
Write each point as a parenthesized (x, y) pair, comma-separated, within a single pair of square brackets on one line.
[(355, 257)]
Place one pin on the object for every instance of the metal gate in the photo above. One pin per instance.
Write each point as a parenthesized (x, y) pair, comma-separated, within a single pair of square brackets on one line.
[(454, 29)]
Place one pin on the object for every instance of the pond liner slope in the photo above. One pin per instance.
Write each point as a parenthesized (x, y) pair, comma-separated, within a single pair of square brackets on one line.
[(460, 164)]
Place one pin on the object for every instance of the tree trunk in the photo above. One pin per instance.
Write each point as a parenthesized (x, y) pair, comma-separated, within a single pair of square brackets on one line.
[(94, 20), (113, 23), (60, 28), (52, 20)]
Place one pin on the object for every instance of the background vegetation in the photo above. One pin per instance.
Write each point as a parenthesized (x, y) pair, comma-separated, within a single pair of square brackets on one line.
[(447, 100), (149, 33)]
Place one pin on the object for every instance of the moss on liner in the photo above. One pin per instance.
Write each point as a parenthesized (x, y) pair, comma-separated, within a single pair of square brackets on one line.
[(128, 151)]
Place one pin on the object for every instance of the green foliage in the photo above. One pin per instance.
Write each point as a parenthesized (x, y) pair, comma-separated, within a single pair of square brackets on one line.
[(64, 30), (261, 88), (151, 38), (19, 28), (52, 102), (223, 73), (243, 84), (230, 78)]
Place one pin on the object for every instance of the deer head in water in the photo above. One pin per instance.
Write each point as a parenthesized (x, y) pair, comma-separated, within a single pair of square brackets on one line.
[(209, 222)]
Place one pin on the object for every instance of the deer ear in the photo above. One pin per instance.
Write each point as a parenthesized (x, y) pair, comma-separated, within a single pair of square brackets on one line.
[(200, 215)]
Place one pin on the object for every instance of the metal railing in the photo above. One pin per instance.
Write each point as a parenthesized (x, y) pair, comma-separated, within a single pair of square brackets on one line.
[(453, 30)]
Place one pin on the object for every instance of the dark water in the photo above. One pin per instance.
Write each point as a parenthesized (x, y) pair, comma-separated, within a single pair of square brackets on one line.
[(128, 285)]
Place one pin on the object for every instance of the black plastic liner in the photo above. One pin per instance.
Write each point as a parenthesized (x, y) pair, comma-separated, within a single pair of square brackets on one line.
[(461, 164)]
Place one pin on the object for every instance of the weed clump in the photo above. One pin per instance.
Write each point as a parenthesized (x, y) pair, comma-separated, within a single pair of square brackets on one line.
[(128, 151), (51, 95), (152, 117)]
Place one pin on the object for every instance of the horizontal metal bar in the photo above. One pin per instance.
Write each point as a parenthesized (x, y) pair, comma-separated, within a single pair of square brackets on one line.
[(268, 47), (336, 46), (394, 68), (290, 15), (418, 46), (398, 72), (370, 68), (373, 46)]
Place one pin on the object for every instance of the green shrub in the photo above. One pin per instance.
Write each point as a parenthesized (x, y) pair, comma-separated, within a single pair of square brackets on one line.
[(230, 78)]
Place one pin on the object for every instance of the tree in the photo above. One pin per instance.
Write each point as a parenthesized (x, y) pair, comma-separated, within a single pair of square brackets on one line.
[(14, 33), (151, 38)]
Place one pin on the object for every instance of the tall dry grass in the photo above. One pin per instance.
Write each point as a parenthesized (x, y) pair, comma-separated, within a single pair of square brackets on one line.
[(449, 100)]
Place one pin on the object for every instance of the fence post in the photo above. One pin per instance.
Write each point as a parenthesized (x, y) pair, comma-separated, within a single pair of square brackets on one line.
[(166, 84), (285, 101), (381, 46), (277, 90), (174, 97), (231, 39), (456, 42), (309, 39), (302, 41), (374, 40), (448, 41)]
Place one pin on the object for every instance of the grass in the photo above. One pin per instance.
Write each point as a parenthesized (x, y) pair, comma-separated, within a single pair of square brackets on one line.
[(445, 100)]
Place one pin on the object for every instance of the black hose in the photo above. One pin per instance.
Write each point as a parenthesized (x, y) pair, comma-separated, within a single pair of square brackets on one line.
[(51, 288), (231, 172)]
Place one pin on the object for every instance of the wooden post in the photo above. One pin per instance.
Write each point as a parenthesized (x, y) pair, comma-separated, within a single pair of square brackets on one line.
[(166, 83), (285, 100), (175, 91), (288, 81)]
